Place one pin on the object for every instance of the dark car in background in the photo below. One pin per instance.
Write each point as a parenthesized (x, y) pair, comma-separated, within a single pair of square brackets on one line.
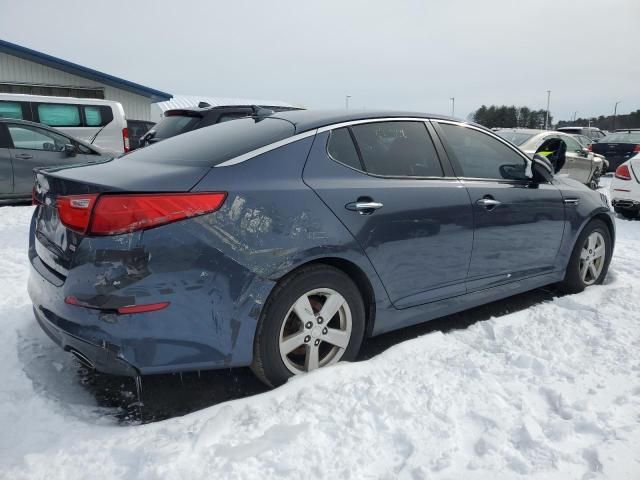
[(27, 145), (182, 120), (280, 242), (618, 147)]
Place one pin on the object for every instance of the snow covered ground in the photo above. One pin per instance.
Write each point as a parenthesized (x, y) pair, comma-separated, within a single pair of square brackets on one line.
[(550, 392)]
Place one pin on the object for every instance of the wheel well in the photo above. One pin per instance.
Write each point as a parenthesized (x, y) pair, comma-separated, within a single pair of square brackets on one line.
[(359, 278), (607, 220)]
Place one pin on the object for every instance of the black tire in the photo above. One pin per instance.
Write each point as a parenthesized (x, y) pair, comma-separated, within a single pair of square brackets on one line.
[(573, 282), (267, 364)]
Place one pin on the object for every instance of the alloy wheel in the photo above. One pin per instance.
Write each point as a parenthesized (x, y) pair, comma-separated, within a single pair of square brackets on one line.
[(592, 258), (316, 331)]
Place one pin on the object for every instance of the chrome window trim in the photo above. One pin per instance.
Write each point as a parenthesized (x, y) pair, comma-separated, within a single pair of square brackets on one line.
[(267, 148), (335, 126)]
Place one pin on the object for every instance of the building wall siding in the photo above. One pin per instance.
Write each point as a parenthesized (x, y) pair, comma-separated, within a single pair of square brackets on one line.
[(17, 70)]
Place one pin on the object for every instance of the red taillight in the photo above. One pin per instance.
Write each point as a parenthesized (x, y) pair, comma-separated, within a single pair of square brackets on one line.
[(149, 307), (636, 149), (590, 147), (75, 210), (623, 173), (125, 139), (114, 214)]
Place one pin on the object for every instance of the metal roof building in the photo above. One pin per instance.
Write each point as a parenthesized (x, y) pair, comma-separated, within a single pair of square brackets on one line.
[(27, 71)]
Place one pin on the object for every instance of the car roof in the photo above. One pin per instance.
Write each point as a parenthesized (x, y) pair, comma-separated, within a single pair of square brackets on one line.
[(305, 120)]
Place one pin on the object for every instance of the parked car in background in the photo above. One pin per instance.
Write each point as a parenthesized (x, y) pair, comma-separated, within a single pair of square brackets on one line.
[(625, 188), (27, 145), (137, 130), (586, 142), (574, 160), (595, 134), (618, 147), (178, 121), (282, 241), (97, 122)]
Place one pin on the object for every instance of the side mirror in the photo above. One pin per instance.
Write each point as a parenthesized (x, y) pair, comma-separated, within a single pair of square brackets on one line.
[(541, 169), (70, 150), (585, 151)]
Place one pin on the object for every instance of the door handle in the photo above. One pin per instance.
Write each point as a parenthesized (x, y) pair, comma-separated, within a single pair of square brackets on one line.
[(24, 156), (488, 203), (364, 208)]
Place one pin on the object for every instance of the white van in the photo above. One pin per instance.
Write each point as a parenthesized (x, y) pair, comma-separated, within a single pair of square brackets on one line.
[(99, 122)]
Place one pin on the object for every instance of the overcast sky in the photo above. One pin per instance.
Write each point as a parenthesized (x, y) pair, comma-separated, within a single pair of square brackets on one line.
[(402, 54)]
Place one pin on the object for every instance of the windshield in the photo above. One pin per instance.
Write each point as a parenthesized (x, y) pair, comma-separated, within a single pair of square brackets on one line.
[(622, 137), (517, 138)]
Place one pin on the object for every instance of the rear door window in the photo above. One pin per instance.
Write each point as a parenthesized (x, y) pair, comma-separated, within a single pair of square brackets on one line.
[(475, 154), (398, 149), (59, 115), (11, 110)]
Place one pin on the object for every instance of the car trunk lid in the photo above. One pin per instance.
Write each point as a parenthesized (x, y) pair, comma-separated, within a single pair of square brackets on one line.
[(55, 243)]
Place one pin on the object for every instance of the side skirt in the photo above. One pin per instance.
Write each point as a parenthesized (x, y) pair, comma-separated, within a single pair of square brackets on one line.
[(392, 319)]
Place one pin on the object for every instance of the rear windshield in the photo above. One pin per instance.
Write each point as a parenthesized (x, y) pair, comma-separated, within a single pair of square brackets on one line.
[(622, 137), (174, 125), (218, 143), (517, 138)]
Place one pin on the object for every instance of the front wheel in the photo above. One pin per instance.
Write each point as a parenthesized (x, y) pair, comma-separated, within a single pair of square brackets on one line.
[(314, 318), (590, 258)]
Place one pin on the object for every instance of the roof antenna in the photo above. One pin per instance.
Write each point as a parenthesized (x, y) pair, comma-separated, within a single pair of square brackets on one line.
[(204, 105)]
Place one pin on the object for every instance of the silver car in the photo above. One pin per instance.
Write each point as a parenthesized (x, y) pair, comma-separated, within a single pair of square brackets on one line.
[(580, 164)]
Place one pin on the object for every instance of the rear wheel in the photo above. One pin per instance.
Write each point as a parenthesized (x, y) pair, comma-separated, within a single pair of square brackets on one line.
[(313, 318), (590, 258)]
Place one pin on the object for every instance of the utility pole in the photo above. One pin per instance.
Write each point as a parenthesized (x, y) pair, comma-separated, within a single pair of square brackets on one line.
[(615, 111), (574, 116), (546, 118), (453, 105), (346, 101)]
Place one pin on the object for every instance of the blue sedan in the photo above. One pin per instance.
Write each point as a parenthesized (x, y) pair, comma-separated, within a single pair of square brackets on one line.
[(282, 241)]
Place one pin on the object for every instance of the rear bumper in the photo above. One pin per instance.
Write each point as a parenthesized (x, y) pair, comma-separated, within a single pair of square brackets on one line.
[(210, 322), (626, 204), (104, 358)]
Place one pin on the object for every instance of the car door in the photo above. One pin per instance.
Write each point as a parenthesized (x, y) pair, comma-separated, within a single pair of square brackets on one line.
[(385, 183), (35, 147), (518, 225), (580, 162), (6, 167)]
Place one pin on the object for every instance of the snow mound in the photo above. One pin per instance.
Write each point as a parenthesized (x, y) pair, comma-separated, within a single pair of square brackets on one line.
[(551, 392)]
